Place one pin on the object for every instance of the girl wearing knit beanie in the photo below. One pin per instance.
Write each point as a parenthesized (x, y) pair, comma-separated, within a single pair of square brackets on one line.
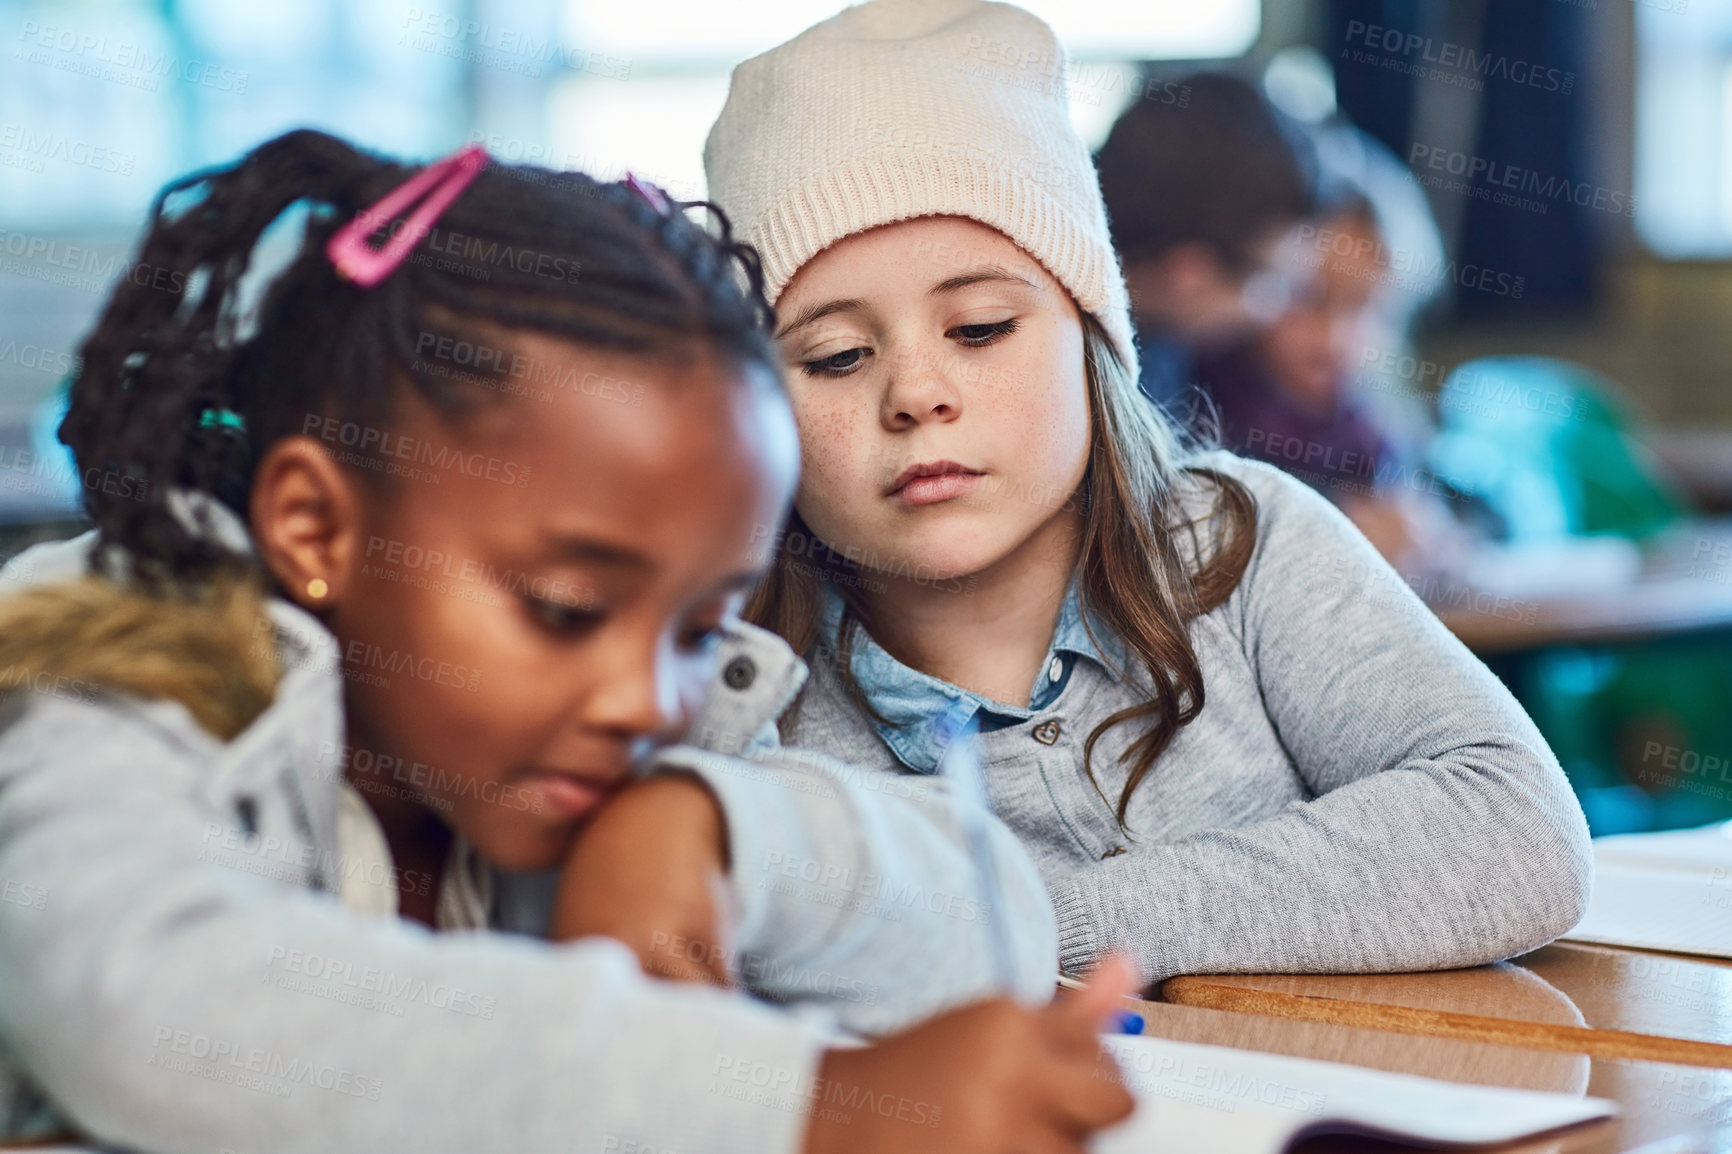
[(1231, 735)]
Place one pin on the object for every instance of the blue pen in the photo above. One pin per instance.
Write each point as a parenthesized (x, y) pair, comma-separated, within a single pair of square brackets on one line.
[(961, 765), (1122, 1022)]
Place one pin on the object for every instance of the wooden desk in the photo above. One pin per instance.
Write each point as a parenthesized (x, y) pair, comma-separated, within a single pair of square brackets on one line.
[(1642, 991), (1667, 1108), (1568, 998)]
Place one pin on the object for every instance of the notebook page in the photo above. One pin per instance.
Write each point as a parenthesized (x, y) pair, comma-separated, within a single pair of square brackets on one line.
[(1663, 891), (1194, 1099)]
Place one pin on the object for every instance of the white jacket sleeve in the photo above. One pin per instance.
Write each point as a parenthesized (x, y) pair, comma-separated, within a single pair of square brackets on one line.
[(169, 1004), (859, 890)]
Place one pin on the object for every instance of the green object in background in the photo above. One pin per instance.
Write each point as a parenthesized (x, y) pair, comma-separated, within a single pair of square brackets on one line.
[(1552, 449), (222, 419), (1618, 486), (1643, 730)]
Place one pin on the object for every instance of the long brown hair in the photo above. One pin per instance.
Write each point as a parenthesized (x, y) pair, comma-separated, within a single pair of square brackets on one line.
[(1146, 568)]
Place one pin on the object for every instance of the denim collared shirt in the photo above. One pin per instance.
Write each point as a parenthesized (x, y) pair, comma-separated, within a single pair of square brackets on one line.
[(911, 702)]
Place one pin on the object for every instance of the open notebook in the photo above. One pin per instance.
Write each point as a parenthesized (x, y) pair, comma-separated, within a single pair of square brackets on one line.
[(1663, 891), (1194, 1099)]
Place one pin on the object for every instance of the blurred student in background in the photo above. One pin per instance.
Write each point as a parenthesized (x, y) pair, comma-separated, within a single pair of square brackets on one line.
[(1200, 194), (1289, 395), (1266, 257)]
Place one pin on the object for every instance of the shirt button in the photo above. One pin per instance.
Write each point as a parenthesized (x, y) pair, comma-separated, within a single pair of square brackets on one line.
[(1055, 670), (739, 673), (1046, 732)]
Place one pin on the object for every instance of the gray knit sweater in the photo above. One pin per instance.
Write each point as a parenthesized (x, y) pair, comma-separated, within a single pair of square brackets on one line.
[(1358, 794)]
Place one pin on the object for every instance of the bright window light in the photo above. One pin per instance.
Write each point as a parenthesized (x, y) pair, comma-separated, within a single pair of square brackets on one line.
[(679, 54), (1684, 128), (705, 31), (653, 127)]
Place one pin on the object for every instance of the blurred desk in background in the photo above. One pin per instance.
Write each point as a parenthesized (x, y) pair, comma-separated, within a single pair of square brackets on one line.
[(1684, 586), (1649, 608)]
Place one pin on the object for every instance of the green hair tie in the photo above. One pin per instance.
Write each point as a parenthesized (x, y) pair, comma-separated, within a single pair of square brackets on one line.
[(222, 418)]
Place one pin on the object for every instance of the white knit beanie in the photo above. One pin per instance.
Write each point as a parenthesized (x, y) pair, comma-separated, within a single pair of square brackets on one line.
[(895, 109)]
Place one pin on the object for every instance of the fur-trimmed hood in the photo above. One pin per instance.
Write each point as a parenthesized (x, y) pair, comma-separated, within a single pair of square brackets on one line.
[(216, 656)]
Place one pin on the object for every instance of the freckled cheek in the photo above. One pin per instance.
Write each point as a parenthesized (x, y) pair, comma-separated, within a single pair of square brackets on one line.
[(1045, 421), (836, 458), (1068, 419)]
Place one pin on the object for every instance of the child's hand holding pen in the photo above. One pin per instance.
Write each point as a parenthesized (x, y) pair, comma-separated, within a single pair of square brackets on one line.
[(990, 1078)]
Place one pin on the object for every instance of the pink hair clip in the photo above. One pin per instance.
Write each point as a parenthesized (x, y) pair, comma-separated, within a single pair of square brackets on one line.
[(441, 182), (656, 198)]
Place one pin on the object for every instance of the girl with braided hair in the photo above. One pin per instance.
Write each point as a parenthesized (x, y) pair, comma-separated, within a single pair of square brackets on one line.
[(415, 569)]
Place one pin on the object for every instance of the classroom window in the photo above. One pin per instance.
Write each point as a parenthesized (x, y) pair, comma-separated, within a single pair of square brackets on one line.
[(678, 55), (1684, 127)]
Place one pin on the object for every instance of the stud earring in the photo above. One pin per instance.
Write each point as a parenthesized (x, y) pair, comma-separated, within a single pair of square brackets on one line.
[(316, 588)]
